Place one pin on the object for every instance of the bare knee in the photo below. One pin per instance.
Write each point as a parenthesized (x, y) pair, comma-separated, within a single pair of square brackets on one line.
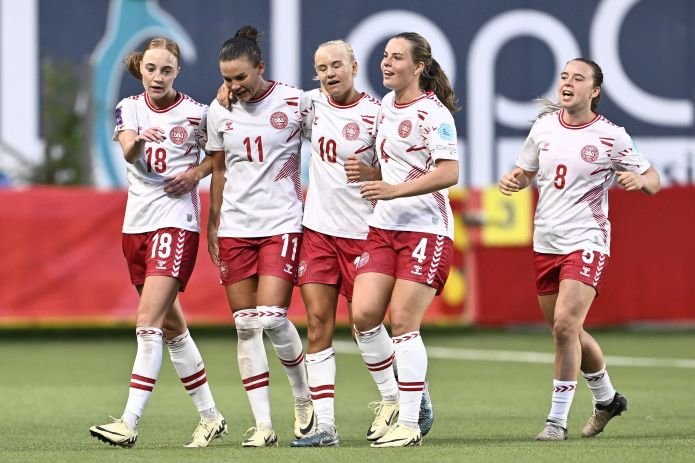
[(566, 330), (365, 320), (319, 330)]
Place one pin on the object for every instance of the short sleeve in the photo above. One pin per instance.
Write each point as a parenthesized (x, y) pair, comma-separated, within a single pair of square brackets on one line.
[(201, 132), (214, 137), (626, 157), (308, 111), (439, 134), (125, 117), (528, 157)]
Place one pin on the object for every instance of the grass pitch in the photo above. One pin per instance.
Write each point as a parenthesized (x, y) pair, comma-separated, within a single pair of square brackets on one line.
[(491, 393)]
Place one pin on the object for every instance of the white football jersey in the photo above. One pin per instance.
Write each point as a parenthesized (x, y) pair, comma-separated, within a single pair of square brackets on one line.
[(262, 141), (411, 137), (334, 206), (576, 165), (149, 207)]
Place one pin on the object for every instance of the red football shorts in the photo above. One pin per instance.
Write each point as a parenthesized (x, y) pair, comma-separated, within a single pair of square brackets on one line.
[(407, 255), (329, 260), (586, 266), (276, 255), (167, 252)]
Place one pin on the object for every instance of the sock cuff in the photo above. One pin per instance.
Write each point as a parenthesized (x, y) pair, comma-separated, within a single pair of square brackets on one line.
[(271, 311), (595, 376), (368, 335), (272, 317), (177, 339), (148, 331), (246, 319), (318, 357), (406, 337), (564, 386)]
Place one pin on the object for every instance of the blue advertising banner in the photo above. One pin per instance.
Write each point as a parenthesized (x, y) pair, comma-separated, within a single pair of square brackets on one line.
[(500, 54)]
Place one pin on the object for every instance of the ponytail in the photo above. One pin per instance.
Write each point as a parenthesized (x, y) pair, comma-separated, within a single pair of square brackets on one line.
[(435, 79)]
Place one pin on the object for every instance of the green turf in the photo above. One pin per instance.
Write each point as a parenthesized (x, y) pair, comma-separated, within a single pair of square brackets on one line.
[(52, 390)]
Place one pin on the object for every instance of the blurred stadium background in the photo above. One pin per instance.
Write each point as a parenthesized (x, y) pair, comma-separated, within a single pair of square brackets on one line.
[(62, 178)]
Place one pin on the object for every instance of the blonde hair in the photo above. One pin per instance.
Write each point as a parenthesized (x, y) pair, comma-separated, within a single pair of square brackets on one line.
[(339, 43), (133, 61)]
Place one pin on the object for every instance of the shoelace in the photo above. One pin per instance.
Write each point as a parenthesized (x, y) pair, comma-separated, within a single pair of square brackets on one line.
[(375, 406), (303, 410)]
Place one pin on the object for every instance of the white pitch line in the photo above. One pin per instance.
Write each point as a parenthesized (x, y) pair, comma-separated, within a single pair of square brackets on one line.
[(450, 353)]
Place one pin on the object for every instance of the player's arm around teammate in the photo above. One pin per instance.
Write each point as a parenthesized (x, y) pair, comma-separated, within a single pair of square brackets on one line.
[(410, 243), (575, 154), (341, 126), (254, 229), (159, 133)]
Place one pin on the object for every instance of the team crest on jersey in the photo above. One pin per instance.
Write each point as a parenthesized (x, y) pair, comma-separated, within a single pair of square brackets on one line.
[(301, 268), (178, 135), (228, 126), (364, 258), (279, 120), (404, 128), (351, 131), (590, 153)]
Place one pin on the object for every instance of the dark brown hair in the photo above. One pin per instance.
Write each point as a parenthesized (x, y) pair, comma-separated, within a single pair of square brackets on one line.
[(244, 43), (433, 76)]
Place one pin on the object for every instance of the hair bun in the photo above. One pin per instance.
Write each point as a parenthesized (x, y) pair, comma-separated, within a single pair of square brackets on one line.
[(248, 32)]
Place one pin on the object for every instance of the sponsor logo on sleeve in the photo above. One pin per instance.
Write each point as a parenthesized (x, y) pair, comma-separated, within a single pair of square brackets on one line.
[(445, 131)]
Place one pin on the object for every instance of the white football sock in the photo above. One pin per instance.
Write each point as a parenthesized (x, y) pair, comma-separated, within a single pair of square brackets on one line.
[(288, 346), (563, 393), (253, 364), (378, 353), (148, 361), (191, 370), (601, 387), (321, 371), (412, 369)]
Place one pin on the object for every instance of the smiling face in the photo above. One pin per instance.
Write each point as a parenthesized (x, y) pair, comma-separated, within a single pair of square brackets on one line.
[(576, 87), (336, 70), (397, 66), (243, 79), (159, 68)]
